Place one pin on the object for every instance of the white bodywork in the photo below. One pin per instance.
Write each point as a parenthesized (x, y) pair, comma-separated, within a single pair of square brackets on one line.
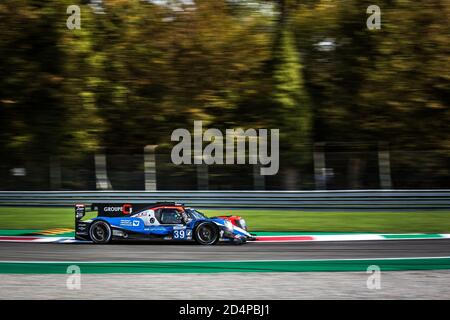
[(148, 216)]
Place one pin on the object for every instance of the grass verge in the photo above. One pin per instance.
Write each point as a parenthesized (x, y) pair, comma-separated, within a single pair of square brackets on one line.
[(264, 220)]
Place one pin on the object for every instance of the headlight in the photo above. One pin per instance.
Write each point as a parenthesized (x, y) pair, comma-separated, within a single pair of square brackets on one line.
[(228, 225), (243, 224)]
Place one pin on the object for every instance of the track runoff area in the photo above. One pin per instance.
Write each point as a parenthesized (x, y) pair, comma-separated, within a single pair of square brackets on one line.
[(54, 250), (50, 264)]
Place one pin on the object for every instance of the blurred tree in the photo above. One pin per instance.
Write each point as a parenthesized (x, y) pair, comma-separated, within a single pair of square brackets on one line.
[(46, 104), (374, 85), (136, 70), (291, 101), (377, 81), (291, 105)]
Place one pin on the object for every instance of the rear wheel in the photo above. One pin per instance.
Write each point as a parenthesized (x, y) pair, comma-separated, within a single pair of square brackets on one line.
[(100, 232), (206, 233)]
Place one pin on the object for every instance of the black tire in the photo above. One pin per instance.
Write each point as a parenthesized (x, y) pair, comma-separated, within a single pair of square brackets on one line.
[(100, 232), (206, 233)]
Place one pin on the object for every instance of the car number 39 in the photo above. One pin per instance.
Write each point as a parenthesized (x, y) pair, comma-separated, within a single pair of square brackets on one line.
[(181, 234)]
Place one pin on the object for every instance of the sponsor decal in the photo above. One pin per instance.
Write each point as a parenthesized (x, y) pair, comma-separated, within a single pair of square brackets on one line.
[(158, 229), (129, 223), (126, 223), (112, 209), (127, 209)]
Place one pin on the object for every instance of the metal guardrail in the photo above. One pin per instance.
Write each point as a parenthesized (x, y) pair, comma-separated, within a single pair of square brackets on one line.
[(343, 199)]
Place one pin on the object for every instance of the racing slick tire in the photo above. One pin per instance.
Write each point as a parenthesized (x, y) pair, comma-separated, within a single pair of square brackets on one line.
[(206, 233), (100, 232)]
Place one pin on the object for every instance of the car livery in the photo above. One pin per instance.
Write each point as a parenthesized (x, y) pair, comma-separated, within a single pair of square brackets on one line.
[(157, 221), (235, 220)]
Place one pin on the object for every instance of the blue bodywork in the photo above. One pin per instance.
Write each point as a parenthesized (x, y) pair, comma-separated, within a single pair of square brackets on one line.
[(135, 225), (163, 221)]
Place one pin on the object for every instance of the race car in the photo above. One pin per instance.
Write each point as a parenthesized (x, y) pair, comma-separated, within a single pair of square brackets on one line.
[(156, 221)]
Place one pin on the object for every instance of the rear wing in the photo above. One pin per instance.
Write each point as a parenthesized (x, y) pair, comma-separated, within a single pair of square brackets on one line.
[(104, 209)]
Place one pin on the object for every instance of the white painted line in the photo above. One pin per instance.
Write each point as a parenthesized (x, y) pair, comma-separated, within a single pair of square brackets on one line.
[(48, 240), (348, 240), (262, 260), (74, 241), (260, 239), (346, 237)]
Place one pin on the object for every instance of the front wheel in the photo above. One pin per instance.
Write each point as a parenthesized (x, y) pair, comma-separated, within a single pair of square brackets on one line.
[(206, 233), (100, 232)]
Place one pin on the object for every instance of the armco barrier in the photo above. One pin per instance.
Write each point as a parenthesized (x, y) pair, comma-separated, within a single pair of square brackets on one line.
[(343, 199)]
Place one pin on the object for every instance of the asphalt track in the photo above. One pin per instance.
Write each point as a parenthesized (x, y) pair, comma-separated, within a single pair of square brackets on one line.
[(145, 251)]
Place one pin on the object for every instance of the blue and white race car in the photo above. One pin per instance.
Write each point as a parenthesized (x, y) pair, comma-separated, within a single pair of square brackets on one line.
[(157, 221)]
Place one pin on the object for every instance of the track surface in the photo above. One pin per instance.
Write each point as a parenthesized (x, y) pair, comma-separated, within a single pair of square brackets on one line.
[(251, 251)]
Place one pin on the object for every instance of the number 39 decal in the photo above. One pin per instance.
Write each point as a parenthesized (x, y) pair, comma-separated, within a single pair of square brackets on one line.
[(181, 234)]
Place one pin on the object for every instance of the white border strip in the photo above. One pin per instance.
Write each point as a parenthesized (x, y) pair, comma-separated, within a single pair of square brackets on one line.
[(219, 261), (286, 239)]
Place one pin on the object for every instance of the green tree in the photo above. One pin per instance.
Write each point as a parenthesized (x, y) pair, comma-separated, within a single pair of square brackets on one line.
[(291, 100)]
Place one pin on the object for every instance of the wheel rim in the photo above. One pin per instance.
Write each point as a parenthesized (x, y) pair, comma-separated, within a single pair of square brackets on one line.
[(100, 233), (206, 234)]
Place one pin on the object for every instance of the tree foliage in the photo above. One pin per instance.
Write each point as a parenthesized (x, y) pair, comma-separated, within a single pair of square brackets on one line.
[(139, 69)]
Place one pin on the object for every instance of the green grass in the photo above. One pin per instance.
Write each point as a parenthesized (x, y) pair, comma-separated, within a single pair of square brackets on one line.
[(326, 221), (36, 218), (264, 220)]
